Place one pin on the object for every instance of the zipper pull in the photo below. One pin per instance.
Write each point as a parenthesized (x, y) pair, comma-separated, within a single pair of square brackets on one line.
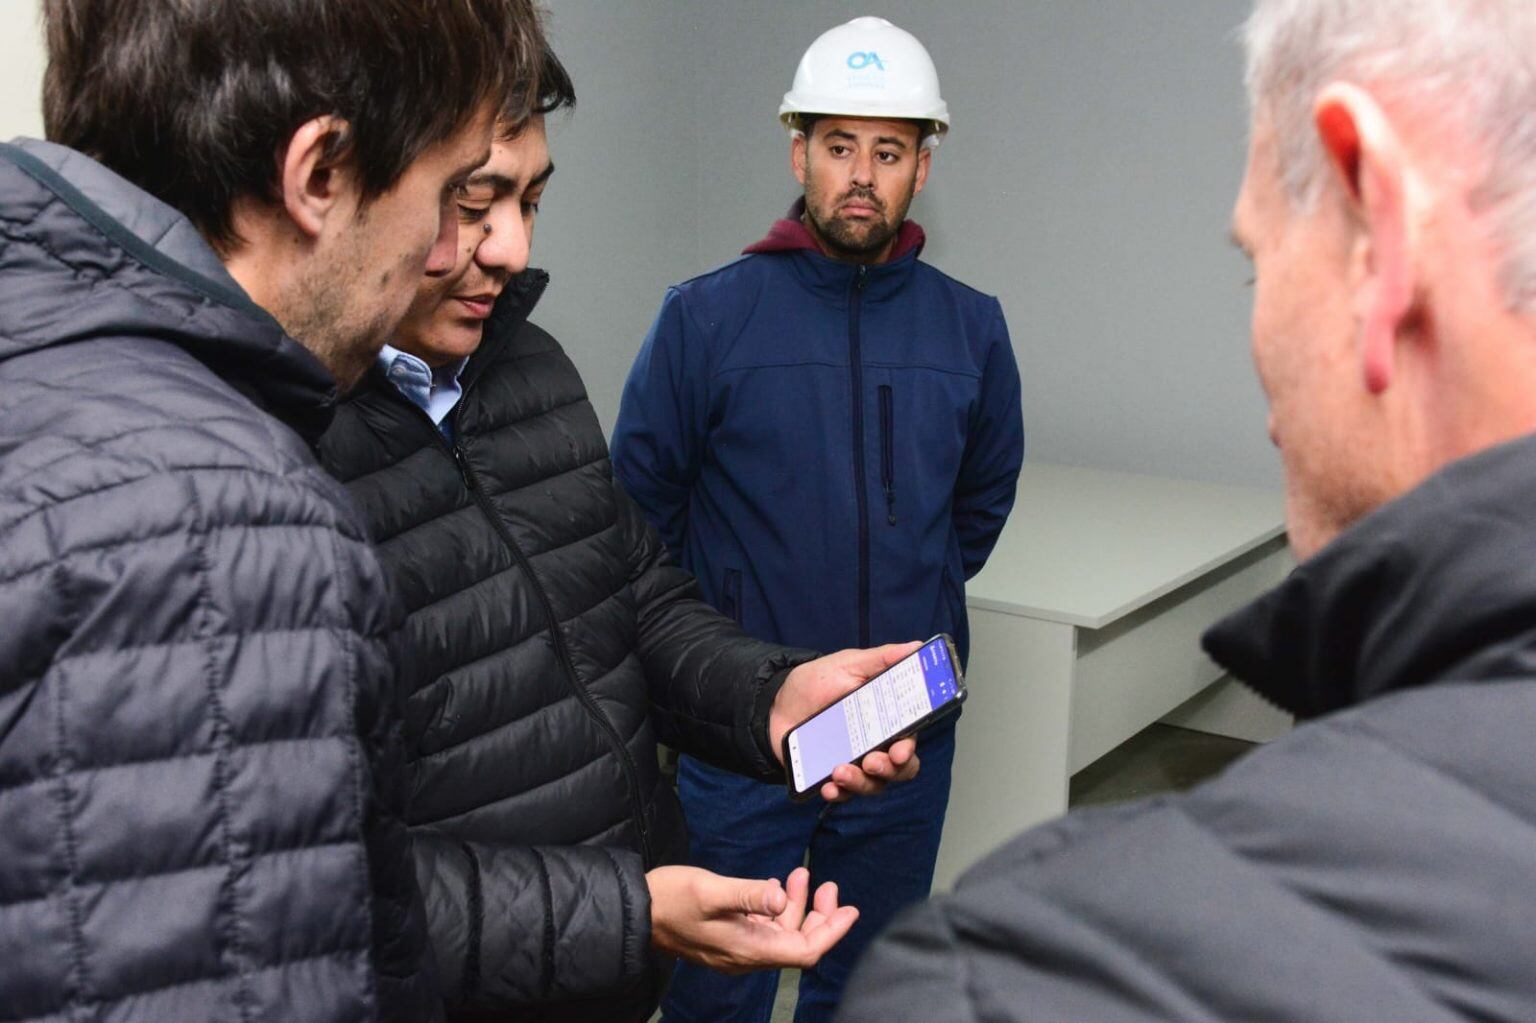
[(861, 277), (890, 505)]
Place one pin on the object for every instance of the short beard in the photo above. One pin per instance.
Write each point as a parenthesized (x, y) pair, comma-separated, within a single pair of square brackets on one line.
[(839, 236), (842, 239), (321, 318), (323, 314)]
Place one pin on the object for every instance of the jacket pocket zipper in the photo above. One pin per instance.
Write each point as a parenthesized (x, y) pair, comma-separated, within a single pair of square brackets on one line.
[(888, 452), (730, 597)]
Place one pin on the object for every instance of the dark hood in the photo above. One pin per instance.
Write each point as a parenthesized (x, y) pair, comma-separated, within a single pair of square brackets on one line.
[(1439, 584), (90, 256), (789, 234)]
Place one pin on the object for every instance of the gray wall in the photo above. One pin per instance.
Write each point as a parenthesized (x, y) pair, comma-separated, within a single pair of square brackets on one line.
[(1087, 182), (618, 222)]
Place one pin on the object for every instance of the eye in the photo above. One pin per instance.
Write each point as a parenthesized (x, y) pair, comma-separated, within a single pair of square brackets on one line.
[(887, 157), (837, 150), (472, 214)]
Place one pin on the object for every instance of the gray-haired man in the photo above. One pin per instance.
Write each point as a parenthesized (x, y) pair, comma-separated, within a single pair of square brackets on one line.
[(1375, 864)]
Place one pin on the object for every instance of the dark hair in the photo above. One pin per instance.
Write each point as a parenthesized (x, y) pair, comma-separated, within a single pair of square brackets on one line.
[(807, 123), (191, 100), (554, 91)]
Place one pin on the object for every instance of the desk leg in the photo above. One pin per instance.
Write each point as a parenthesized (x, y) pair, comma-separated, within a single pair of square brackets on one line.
[(1012, 744)]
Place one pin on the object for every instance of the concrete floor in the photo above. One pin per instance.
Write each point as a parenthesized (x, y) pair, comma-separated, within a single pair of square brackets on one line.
[(1161, 759)]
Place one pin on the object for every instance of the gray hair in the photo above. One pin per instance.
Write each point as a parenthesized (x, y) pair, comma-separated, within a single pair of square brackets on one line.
[(1468, 63)]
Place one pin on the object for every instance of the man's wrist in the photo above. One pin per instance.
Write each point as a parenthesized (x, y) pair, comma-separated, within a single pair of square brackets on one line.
[(762, 713)]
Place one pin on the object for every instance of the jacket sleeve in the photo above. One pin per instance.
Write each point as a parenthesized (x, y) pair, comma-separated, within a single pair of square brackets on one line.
[(659, 436), (994, 451), (711, 685), (515, 926)]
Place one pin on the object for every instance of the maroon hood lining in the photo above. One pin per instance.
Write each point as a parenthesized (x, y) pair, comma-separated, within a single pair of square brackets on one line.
[(789, 234)]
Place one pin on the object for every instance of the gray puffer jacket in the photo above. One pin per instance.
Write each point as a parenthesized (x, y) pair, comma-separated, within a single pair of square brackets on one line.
[(200, 777), (1377, 864)]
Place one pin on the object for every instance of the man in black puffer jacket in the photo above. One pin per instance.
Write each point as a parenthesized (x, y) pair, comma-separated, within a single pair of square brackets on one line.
[(200, 771), (1376, 865), (550, 643)]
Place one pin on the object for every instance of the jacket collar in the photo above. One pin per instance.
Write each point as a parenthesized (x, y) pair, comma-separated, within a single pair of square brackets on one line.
[(513, 307), (1440, 583), (104, 226), (832, 278), (789, 234)]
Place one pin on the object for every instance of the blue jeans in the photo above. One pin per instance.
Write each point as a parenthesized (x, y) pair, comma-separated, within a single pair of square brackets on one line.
[(880, 851)]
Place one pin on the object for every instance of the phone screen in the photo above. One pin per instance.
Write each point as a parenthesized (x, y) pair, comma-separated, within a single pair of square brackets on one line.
[(885, 706)]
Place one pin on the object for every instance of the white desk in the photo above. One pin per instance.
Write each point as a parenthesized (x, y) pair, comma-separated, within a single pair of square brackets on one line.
[(1085, 629)]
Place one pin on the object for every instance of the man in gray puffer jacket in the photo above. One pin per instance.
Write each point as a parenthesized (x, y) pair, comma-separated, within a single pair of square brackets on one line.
[(1376, 864), (200, 786)]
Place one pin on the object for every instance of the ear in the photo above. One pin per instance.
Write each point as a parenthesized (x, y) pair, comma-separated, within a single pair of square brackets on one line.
[(313, 183), (799, 155), (1370, 164), (924, 162)]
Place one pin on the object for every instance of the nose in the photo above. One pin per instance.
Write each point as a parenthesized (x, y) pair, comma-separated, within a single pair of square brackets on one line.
[(507, 247), (863, 173), (440, 256)]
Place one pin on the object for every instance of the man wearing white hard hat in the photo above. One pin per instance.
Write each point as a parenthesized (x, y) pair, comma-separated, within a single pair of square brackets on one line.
[(827, 433)]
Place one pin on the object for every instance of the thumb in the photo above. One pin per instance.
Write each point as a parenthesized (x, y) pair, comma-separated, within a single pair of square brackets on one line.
[(871, 662), (741, 895)]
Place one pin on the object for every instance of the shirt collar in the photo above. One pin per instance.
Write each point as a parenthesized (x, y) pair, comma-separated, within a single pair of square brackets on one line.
[(434, 391)]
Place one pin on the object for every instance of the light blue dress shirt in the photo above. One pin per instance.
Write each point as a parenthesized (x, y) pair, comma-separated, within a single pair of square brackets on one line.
[(434, 391)]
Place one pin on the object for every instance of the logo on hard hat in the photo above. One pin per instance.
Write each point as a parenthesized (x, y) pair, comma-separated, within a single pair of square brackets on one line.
[(859, 60)]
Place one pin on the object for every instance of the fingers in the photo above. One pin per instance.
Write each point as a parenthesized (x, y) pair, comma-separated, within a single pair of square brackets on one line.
[(820, 938), (721, 895), (903, 751), (825, 901), (874, 773), (796, 889), (851, 781), (826, 925), (900, 764)]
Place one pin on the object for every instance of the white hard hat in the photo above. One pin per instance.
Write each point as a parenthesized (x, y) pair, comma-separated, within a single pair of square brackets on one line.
[(867, 68)]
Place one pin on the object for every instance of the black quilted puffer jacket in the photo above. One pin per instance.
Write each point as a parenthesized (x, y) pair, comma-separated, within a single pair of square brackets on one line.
[(199, 755), (550, 643)]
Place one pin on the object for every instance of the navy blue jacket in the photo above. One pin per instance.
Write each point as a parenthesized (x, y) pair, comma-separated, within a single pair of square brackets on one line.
[(832, 449)]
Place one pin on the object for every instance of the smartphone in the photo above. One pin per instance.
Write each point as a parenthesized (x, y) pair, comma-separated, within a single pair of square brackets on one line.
[(899, 701)]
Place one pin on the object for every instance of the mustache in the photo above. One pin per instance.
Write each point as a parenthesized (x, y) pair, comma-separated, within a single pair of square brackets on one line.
[(864, 196)]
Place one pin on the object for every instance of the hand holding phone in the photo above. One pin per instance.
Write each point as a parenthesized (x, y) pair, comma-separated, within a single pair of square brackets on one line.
[(920, 684)]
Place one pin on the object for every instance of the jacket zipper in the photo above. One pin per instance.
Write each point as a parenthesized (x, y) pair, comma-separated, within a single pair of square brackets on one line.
[(888, 453), (860, 278), (472, 481)]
